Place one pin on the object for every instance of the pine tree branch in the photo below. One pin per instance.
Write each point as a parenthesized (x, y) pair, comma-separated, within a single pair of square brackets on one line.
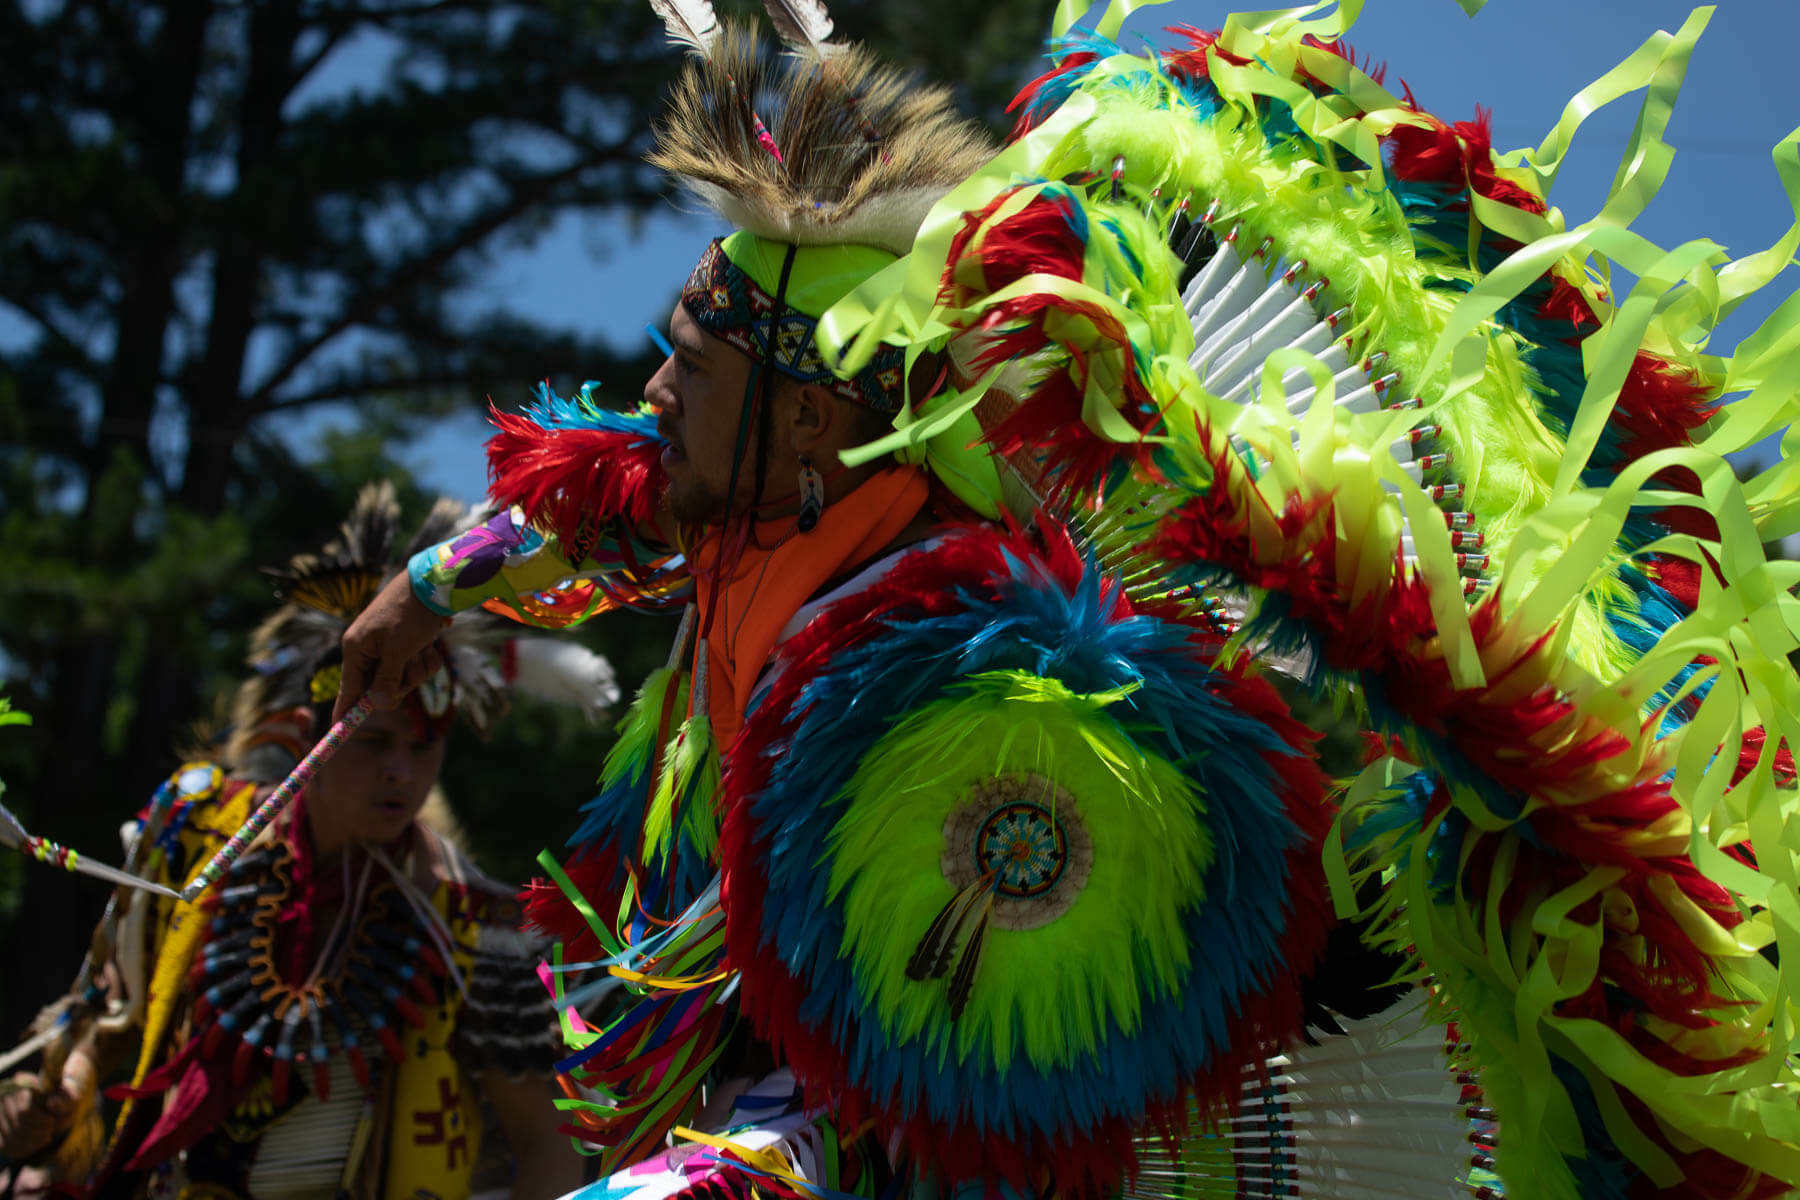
[(351, 389), (358, 309), (43, 321)]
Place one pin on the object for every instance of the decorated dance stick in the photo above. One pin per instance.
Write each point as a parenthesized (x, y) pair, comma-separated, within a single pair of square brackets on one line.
[(269, 809), (46, 851)]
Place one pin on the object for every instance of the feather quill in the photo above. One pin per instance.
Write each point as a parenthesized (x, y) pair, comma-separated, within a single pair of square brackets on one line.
[(936, 950), (804, 25), (690, 23), (962, 983)]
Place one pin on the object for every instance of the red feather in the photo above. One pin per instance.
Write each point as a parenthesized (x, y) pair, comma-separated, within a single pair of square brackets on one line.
[(1751, 752), (1566, 303), (1660, 405), (1022, 102), (1679, 577), (1341, 48), (1049, 430), (595, 874), (574, 480), (1459, 154), (1190, 62), (1039, 239)]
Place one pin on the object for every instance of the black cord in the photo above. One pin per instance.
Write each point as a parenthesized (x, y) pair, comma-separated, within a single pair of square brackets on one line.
[(765, 421), (756, 396)]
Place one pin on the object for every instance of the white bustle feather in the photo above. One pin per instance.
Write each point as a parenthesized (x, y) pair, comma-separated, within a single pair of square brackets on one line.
[(1377, 1110), (690, 23), (1244, 305), (804, 25), (564, 672)]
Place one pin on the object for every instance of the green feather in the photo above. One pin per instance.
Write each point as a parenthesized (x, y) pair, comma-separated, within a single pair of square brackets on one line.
[(687, 789), (631, 755)]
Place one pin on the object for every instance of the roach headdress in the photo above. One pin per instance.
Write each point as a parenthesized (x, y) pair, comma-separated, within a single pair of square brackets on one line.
[(825, 159)]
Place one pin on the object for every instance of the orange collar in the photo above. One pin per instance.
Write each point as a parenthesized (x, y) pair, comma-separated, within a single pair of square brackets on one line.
[(778, 572)]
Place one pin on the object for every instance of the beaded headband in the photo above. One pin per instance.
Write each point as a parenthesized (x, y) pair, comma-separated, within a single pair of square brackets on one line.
[(725, 301)]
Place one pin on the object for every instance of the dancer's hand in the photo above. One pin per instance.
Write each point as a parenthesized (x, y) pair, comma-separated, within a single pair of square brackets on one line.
[(30, 1118), (388, 649)]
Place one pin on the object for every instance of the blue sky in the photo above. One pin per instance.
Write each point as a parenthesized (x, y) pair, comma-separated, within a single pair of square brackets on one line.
[(1522, 59)]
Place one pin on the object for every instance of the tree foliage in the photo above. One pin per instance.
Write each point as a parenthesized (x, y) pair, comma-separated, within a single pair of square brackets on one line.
[(220, 216)]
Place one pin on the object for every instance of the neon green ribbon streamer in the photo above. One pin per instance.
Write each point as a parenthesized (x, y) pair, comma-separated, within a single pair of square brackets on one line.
[(558, 876)]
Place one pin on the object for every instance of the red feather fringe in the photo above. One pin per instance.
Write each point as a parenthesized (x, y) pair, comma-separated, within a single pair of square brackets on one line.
[(1459, 154), (573, 481)]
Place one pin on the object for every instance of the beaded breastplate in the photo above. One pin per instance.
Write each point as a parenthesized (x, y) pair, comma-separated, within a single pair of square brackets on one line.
[(375, 980)]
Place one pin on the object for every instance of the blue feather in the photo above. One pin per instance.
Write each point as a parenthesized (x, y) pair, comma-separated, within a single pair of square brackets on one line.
[(585, 411)]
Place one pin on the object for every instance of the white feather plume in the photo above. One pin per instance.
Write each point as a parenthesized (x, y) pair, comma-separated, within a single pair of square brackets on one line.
[(691, 23), (804, 25), (563, 672)]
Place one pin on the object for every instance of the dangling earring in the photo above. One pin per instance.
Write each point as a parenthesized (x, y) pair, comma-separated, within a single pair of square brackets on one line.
[(812, 495)]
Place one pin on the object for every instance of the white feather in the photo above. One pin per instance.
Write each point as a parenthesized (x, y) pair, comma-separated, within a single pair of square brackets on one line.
[(690, 23), (804, 25), (563, 672)]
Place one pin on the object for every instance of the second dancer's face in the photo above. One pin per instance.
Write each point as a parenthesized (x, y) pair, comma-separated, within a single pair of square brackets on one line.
[(376, 784), (699, 396)]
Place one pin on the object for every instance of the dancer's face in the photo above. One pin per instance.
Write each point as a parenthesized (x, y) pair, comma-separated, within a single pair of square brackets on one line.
[(373, 788), (699, 396)]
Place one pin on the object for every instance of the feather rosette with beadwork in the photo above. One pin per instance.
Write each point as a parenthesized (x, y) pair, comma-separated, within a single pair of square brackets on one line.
[(1012, 865)]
